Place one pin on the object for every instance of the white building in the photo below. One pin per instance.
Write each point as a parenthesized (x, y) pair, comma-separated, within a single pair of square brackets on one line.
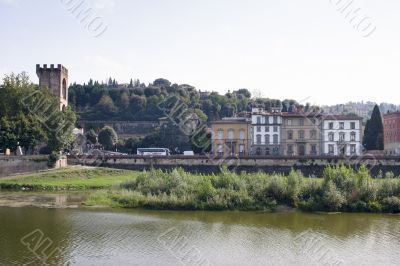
[(266, 132), (341, 135)]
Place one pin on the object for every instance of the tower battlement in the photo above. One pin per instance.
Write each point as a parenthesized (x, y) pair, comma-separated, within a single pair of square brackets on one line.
[(56, 80)]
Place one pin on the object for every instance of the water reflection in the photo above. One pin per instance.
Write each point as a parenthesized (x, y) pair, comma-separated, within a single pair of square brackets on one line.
[(132, 237)]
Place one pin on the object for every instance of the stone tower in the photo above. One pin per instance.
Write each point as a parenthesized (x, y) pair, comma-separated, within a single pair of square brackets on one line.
[(56, 80)]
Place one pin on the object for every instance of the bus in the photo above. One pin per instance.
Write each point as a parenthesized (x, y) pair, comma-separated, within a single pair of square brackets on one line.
[(153, 152)]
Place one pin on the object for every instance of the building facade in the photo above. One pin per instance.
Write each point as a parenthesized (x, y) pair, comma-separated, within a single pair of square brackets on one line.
[(391, 128), (341, 135), (231, 137), (301, 134), (266, 132)]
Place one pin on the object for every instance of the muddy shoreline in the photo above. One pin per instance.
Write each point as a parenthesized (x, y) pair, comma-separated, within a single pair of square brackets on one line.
[(42, 200)]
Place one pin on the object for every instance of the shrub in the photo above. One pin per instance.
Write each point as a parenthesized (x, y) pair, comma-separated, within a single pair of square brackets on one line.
[(332, 199), (391, 204), (52, 159)]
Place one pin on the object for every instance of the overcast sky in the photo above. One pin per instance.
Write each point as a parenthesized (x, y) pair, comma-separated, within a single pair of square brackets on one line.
[(305, 50)]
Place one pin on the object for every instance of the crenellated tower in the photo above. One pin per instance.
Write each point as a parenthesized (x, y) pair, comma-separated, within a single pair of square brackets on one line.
[(56, 80)]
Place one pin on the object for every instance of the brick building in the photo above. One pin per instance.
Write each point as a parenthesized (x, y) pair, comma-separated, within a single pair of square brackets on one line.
[(391, 128)]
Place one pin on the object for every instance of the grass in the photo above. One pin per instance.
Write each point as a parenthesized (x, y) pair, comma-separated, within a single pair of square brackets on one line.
[(68, 179)]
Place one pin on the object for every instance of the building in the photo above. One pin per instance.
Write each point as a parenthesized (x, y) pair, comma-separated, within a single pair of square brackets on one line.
[(341, 135), (391, 128), (231, 137), (301, 134), (266, 129), (56, 80)]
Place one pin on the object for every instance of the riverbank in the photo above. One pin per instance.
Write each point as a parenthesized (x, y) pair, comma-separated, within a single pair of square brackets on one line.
[(339, 189)]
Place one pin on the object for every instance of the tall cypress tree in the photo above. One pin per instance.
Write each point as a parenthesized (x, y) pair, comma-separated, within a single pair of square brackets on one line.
[(373, 135)]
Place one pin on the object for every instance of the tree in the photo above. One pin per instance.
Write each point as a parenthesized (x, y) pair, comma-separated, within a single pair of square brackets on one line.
[(137, 104), (373, 134), (108, 137), (106, 105), (30, 116), (91, 136)]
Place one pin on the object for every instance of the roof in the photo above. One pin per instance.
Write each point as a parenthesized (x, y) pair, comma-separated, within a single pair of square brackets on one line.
[(232, 120), (391, 114), (301, 114), (341, 117)]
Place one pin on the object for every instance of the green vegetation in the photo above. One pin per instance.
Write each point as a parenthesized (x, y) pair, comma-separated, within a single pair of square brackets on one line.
[(373, 134), (339, 189), (31, 117), (139, 102), (68, 179)]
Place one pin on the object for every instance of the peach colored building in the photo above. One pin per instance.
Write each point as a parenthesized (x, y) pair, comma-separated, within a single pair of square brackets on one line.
[(231, 137)]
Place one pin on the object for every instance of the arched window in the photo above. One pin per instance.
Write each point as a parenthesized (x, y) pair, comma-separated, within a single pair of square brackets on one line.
[(231, 134), (64, 89), (258, 139), (267, 139), (352, 136), (220, 134), (276, 139), (242, 134), (331, 136)]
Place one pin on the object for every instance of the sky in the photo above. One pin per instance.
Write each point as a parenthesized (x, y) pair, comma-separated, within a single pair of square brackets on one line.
[(317, 51)]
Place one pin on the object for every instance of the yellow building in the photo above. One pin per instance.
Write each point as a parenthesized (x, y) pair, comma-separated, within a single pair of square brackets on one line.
[(231, 137), (301, 134)]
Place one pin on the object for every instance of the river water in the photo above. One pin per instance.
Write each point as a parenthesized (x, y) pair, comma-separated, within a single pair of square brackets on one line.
[(38, 236)]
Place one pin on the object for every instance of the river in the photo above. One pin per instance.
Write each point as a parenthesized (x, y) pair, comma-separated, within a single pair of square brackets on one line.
[(39, 236)]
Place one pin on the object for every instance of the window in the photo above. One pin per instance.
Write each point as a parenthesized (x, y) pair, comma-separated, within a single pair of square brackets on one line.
[(267, 120), (353, 149), (258, 119), (301, 135), (258, 151), (231, 134), (266, 129), (342, 136), (331, 149), (313, 134), (258, 129), (241, 149), (290, 149), (275, 129), (353, 125), (220, 149), (301, 122), (258, 139), (353, 136), (242, 134), (289, 122), (220, 134), (330, 125), (331, 136), (313, 149), (266, 139), (341, 125), (290, 134), (267, 151), (276, 139), (275, 120)]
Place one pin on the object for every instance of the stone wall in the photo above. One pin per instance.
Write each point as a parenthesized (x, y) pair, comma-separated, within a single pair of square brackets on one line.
[(11, 165), (309, 166), (124, 129)]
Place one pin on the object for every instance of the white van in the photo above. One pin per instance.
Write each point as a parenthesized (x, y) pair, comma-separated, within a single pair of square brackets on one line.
[(188, 153)]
